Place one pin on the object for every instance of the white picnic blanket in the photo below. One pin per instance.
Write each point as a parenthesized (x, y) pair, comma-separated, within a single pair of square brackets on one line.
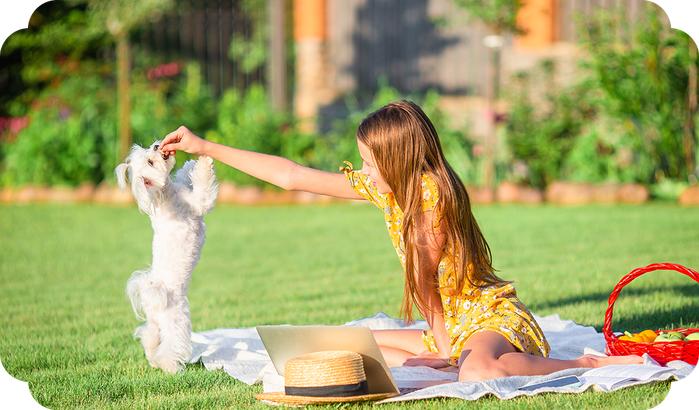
[(241, 354)]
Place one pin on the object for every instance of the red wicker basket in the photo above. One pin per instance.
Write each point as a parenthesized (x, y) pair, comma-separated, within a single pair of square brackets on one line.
[(662, 352)]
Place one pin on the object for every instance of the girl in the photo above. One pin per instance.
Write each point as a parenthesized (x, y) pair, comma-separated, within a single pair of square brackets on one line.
[(476, 321)]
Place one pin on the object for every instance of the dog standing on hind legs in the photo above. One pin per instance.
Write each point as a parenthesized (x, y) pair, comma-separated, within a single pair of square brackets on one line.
[(176, 207)]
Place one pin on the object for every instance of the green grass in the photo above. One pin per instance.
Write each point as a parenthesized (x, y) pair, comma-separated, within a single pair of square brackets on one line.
[(66, 323)]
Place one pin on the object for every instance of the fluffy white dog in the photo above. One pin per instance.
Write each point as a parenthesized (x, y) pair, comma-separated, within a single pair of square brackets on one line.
[(176, 208)]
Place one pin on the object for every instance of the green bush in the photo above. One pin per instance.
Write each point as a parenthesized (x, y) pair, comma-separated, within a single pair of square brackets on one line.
[(51, 151), (247, 121), (624, 120), (644, 83), (72, 134), (69, 136), (540, 134), (192, 102)]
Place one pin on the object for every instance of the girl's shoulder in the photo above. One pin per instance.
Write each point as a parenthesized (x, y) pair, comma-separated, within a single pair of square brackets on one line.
[(362, 184)]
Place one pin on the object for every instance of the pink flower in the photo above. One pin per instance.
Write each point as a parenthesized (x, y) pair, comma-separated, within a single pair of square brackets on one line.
[(164, 70)]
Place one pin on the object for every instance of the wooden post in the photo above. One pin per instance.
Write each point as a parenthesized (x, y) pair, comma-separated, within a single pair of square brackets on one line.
[(538, 19), (123, 94), (276, 68), (309, 36)]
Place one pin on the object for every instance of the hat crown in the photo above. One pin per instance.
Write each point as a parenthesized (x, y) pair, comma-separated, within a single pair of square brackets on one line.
[(325, 368)]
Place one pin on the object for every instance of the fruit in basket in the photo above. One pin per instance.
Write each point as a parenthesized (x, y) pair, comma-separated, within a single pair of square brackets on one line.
[(669, 337), (692, 336), (645, 336)]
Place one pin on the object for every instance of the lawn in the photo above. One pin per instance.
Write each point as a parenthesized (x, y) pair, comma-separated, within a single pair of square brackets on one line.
[(66, 322)]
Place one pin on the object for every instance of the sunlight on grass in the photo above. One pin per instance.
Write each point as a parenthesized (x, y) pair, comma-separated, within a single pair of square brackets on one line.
[(67, 323)]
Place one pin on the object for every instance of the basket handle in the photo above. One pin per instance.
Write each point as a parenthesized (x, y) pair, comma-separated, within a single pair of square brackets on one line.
[(607, 329)]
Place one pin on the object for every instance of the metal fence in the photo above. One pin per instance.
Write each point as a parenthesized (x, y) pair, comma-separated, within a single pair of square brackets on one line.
[(201, 30)]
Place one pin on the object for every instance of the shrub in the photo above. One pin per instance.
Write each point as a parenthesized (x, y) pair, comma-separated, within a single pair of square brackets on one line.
[(540, 134), (72, 134), (624, 120), (247, 121), (69, 136)]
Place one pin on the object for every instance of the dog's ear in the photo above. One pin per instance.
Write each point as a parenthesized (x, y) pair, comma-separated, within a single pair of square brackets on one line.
[(121, 175)]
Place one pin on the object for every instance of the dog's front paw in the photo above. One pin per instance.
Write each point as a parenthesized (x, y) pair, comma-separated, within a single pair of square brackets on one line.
[(206, 160)]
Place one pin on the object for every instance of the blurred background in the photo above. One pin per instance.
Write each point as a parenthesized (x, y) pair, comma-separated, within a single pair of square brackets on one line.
[(566, 101)]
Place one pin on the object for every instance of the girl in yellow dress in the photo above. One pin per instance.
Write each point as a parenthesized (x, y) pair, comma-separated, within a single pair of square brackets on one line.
[(478, 326)]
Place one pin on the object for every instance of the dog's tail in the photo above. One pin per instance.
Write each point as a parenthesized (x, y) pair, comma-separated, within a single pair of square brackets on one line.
[(140, 289)]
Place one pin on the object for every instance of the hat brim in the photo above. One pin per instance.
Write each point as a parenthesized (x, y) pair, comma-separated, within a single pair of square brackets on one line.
[(282, 398)]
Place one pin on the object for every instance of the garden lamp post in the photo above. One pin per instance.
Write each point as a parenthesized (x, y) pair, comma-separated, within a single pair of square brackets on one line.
[(494, 44), (500, 17)]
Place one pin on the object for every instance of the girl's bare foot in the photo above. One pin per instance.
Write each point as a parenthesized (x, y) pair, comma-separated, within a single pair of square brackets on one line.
[(590, 360)]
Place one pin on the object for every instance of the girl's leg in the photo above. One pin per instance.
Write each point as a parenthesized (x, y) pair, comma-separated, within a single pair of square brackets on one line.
[(398, 345), (488, 355)]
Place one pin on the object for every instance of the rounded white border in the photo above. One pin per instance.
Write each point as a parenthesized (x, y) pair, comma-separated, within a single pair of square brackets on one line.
[(15, 15)]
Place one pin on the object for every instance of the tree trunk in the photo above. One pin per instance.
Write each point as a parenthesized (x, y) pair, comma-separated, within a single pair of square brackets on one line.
[(123, 95)]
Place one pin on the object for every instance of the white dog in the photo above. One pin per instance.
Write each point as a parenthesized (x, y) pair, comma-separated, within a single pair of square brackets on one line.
[(176, 208)]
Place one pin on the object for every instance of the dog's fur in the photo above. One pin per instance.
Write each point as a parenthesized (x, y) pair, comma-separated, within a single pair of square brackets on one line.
[(176, 208)]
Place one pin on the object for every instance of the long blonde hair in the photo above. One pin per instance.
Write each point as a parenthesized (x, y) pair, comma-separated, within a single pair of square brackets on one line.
[(405, 145)]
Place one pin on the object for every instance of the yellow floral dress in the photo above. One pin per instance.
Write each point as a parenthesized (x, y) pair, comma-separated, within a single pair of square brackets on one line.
[(495, 308)]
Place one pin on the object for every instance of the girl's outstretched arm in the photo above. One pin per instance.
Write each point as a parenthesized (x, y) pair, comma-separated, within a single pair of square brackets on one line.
[(278, 171)]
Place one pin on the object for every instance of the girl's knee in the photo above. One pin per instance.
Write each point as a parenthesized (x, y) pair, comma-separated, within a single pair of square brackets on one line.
[(475, 371)]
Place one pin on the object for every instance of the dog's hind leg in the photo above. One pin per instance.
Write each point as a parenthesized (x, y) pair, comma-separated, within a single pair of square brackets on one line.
[(149, 300), (149, 334), (175, 349)]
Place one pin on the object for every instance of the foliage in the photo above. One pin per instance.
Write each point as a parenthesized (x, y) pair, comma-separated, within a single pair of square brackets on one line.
[(57, 38), (193, 102), (119, 17), (250, 49), (499, 15), (644, 82), (69, 133), (247, 121), (668, 189), (540, 134), (623, 120), (71, 137)]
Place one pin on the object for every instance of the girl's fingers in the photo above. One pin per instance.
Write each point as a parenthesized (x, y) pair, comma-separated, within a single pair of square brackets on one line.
[(170, 138), (172, 147)]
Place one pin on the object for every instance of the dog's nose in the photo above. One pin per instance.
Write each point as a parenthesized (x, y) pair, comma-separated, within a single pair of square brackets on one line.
[(155, 147)]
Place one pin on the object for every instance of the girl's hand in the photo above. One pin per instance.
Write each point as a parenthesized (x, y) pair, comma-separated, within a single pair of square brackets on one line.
[(428, 359), (184, 140)]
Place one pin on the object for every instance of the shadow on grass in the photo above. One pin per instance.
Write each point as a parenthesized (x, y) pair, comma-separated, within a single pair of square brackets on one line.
[(659, 318)]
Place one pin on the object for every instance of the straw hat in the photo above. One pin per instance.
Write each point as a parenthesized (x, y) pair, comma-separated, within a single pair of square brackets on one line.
[(333, 376)]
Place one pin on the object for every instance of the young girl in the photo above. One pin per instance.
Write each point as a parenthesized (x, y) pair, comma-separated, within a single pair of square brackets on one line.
[(477, 322)]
